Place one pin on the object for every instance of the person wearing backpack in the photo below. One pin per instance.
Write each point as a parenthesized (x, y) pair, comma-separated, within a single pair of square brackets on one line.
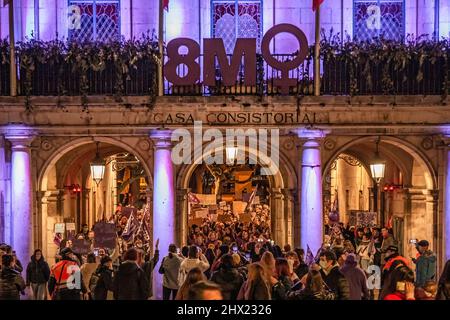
[(170, 267), (101, 283), (87, 269)]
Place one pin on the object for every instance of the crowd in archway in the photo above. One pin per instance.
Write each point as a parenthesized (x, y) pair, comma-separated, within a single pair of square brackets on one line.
[(216, 269)]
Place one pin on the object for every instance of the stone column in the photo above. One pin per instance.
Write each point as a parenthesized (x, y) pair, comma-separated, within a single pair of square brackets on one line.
[(3, 176), (277, 216), (163, 199), (181, 217), (21, 191), (311, 211), (447, 204), (289, 206)]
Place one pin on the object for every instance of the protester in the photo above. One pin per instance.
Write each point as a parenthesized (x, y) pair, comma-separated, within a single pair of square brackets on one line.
[(425, 263), (170, 268), (256, 287), (388, 241), (228, 278), (37, 275), (283, 276), (444, 283), (302, 268), (88, 268), (366, 250), (314, 289), (392, 261), (333, 278), (149, 266), (130, 281), (17, 264), (196, 259), (194, 275), (356, 278), (400, 285), (101, 283), (268, 263), (427, 292), (63, 271), (205, 290), (12, 284)]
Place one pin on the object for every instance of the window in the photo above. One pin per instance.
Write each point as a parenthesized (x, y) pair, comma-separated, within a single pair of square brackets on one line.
[(378, 18), (234, 19), (94, 20)]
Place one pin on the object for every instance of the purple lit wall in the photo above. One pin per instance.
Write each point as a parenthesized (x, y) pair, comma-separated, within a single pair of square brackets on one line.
[(140, 16), (163, 199), (447, 209)]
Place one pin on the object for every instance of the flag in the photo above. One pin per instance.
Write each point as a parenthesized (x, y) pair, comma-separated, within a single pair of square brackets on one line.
[(192, 198), (316, 4), (252, 198), (309, 260), (130, 227), (166, 5)]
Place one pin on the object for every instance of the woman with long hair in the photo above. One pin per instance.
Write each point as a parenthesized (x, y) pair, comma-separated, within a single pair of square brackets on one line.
[(194, 275), (284, 283), (401, 284), (315, 289), (268, 263), (443, 292), (256, 287)]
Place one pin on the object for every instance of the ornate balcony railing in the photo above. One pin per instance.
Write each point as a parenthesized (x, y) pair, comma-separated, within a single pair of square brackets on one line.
[(427, 73)]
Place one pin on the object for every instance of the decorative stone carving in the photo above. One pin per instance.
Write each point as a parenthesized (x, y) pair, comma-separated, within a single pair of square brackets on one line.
[(427, 143), (329, 144), (288, 144), (46, 145), (144, 145)]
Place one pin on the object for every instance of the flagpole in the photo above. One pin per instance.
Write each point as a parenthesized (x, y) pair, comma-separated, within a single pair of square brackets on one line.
[(12, 51), (317, 54), (161, 48)]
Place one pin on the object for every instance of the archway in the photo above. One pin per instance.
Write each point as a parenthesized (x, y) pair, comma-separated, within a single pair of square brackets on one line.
[(69, 196), (282, 188), (404, 199)]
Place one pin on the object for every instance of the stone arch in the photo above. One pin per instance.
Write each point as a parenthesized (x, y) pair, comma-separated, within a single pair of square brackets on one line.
[(42, 233), (283, 184), (418, 204), (405, 145)]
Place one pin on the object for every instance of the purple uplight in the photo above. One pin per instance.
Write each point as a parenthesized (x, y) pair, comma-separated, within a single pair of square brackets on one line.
[(163, 198)]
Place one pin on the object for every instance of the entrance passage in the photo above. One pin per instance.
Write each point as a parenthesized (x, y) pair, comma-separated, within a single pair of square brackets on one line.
[(228, 204)]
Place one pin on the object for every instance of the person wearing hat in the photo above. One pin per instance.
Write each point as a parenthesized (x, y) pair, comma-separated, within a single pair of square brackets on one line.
[(393, 261), (66, 281), (425, 263), (356, 278), (388, 241)]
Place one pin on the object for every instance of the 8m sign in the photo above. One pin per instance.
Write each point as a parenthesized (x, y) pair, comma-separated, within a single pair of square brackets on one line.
[(244, 53)]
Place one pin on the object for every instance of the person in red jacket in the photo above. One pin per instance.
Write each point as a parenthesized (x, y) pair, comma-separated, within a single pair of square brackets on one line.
[(401, 284)]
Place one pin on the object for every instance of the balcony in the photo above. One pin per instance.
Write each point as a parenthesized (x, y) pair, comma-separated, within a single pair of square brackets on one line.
[(424, 72)]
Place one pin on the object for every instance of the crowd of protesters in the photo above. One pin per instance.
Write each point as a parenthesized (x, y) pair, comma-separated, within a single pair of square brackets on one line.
[(233, 262)]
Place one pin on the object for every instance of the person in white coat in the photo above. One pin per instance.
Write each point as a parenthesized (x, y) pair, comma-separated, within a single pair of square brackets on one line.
[(195, 259)]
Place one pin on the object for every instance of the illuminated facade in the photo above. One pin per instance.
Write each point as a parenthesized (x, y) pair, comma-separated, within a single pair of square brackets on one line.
[(326, 142)]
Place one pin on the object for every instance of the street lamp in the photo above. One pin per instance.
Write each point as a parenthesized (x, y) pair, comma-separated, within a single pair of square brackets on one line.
[(98, 168), (377, 165), (377, 168)]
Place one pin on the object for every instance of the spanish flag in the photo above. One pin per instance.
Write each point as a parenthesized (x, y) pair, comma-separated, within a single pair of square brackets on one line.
[(315, 6)]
